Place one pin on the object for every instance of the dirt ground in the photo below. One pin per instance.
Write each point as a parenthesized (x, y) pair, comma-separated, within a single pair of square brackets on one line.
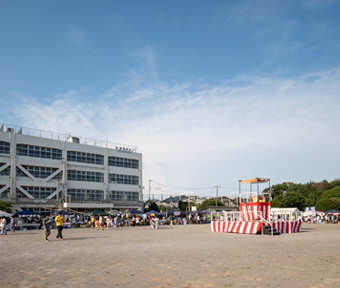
[(173, 256)]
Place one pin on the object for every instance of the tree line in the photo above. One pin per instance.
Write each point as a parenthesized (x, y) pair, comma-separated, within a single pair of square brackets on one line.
[(321, 195)]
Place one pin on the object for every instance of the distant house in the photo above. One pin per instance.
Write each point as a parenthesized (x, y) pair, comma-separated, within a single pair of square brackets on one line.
[(171, 202), (193, 200), (220, 209), (228, 201)]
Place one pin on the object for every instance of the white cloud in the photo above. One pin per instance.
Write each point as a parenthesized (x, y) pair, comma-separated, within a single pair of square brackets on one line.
[(196, 135)]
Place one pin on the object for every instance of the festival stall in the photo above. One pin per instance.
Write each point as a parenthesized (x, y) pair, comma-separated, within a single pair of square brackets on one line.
[(133, 212), (254, 216), (114, 212), (97, 213), (63, 212), (332, 212), (27, 219), (153, 213)]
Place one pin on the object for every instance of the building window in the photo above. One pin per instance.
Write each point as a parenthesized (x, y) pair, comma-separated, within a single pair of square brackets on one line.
[(57, 177), (85, 157), (38, 172), (132, 196), (115, 195), (39, 192), (123, 179), (95, 195), (122, 196), (20, 173), (37, 151), (6, 171), (5, 147), (84, 194), (87, 176), (5, 193), (123, 162)]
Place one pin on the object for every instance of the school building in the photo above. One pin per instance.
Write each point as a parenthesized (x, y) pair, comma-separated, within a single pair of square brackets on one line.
[(42, 171)]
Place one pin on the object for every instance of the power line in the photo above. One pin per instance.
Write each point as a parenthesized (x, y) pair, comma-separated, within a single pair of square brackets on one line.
[(183, 188), (229, 188), (196, 188)]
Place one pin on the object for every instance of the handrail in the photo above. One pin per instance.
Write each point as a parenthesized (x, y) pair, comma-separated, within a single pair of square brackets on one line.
[(264, 220)]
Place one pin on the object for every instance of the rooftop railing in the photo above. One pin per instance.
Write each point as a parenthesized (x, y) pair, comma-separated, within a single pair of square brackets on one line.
[(67, 137)]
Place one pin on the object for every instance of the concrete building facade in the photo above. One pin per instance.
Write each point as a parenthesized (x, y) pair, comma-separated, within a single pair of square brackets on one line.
[(42, 171)]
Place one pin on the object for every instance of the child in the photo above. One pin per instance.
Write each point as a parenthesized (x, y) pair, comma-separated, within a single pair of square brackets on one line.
[(47, 227)]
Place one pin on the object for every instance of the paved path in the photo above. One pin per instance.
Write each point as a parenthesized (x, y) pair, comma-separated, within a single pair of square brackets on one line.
[(174, 256)]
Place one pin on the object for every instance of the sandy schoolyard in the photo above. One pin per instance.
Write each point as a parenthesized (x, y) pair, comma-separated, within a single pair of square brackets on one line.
[(173, 256)]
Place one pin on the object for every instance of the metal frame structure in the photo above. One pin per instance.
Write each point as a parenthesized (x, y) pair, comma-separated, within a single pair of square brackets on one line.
[(251, 193)]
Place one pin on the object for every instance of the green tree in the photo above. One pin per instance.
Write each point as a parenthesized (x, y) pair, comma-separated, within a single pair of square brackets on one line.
[(162, 208), (335, 183), (278, 189), (210, 202), (335, 192), (153, 206), (325, 205), (337, 201), (182, 206), (276, 203), (5, 206), (294, 199), (304, 195), (326, 185)]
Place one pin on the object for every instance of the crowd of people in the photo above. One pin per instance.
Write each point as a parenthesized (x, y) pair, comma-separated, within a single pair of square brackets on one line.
[(120, 220), (323, 219), (101, 222)]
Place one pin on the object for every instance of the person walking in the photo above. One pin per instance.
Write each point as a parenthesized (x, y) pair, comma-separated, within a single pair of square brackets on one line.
[(12, 224), (157, 223), (152, 222), (47, 227), (100, 223), (60, 225), (3, 228)]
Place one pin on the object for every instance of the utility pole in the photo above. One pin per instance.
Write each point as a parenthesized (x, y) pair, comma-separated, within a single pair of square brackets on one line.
[(216, 193), (149, 188)]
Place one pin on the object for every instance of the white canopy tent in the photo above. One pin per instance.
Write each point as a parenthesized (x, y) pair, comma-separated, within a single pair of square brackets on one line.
[(291, 213), (310, 213), (3, 213)]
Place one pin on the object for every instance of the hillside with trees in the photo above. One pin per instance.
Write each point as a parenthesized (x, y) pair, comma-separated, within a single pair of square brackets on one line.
[(5, 206), (323, 195)]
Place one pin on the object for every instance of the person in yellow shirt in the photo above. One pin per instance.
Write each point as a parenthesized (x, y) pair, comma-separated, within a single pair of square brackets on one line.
[(60, 225)]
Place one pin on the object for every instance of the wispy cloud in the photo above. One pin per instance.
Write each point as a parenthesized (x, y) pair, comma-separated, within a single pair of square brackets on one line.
[(79, 38), (315, 4), (252, 12), (147, 58), (192, 136)]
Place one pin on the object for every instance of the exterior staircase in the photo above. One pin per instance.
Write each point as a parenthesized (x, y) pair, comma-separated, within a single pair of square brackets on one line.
[(267, 230)]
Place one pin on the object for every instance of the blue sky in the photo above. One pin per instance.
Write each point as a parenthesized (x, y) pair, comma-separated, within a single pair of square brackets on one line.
[(210, 91)]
